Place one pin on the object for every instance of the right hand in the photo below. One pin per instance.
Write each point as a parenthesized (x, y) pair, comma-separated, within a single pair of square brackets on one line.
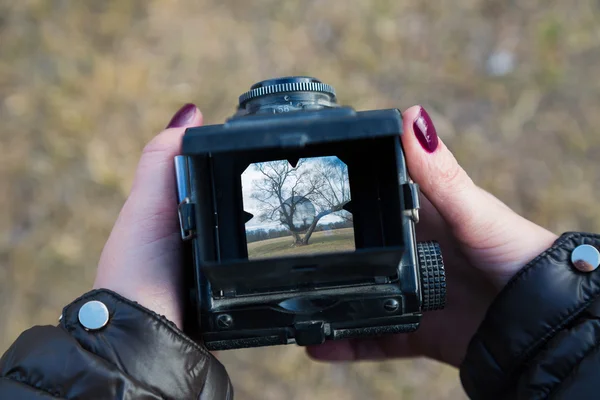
[(484, 243)]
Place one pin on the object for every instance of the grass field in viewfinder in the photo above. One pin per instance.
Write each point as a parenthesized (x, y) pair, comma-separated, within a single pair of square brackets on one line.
[(337, 240)]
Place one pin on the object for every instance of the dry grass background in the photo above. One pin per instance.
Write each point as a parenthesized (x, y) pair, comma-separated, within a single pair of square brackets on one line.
[(85, 84)]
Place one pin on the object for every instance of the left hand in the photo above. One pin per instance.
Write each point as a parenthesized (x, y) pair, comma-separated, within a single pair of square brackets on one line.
[(141, 259)]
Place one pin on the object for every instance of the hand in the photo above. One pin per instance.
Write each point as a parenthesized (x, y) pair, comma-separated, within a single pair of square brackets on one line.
[(484, 243), (141, 260)]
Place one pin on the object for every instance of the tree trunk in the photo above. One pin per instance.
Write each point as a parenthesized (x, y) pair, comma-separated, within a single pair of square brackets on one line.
[(297, 239), (320, 215), (313, 226), (309, 233)]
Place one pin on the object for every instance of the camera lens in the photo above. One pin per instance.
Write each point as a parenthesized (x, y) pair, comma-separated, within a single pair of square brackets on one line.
[(287, 94)]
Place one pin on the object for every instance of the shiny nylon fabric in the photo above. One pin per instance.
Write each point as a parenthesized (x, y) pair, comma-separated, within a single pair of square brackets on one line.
[(138, 355), (540, 338)]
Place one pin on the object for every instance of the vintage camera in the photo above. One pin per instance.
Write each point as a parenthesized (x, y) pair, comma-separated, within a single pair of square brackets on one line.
[(299, 220)]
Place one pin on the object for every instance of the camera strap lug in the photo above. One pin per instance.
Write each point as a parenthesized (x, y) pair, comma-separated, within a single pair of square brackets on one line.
[(412, 201), (187, 221), (185, 209)]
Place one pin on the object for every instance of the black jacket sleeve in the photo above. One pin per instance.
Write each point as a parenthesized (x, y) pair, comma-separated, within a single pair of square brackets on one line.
[(136, 355), (540, 338)]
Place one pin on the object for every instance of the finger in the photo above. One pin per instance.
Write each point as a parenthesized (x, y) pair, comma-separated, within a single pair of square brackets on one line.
[(154, 183), (439, 175), (141, 257), (332, 351), (478, 220), (431, 225), (381, 348)]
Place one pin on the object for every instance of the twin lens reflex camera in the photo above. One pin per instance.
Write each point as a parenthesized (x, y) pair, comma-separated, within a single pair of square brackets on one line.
[(298, 220)]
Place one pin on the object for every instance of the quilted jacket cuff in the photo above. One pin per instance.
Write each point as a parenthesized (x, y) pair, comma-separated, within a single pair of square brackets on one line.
[(542, 299), (110, 347)]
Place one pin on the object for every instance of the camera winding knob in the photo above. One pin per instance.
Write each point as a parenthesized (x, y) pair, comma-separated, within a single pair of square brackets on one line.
[(433, 276)]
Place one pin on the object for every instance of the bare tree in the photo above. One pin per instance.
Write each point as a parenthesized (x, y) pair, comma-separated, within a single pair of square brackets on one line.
[(284, 189), (332, 193)]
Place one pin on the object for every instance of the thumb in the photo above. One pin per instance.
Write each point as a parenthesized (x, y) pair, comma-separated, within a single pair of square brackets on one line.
[(154, 182), (493, 237), (141, 257)]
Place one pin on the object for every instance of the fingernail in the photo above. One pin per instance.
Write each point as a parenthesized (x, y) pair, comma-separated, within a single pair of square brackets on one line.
[(183, 116), (425, 131)]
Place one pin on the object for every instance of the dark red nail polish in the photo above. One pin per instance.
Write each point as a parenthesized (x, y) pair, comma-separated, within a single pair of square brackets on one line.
[(425, 131), (183, 116)]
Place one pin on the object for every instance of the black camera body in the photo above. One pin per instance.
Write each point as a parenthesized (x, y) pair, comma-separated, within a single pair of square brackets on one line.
[(298, 293)]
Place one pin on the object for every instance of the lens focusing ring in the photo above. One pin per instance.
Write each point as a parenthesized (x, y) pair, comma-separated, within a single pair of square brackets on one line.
[(286, 87)]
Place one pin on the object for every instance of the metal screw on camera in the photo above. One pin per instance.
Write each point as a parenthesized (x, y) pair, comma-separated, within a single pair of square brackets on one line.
[(225, 321), (391, 305)]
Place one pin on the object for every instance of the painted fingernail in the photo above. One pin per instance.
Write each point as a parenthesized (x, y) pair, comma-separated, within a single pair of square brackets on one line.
[(183, 116), (425, 131)]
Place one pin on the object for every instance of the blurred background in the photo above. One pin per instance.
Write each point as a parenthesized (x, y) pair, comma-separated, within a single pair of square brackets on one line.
[(513, 88)]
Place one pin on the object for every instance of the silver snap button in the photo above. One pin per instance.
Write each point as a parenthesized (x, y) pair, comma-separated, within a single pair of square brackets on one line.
[(93, 315), (585, 258)]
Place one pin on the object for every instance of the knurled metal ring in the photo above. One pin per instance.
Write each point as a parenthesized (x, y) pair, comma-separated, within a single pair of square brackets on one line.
[(287, 87)]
